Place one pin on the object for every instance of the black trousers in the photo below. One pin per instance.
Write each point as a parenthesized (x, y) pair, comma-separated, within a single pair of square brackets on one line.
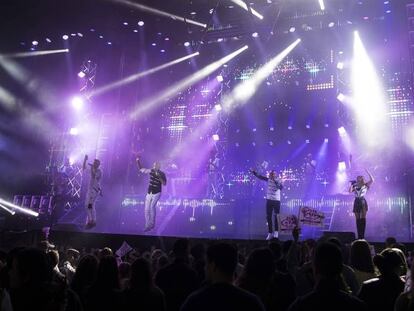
[(272, 205)]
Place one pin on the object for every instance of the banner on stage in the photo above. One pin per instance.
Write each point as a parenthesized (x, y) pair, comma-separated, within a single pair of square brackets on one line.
[(287, 222), (311, 217)]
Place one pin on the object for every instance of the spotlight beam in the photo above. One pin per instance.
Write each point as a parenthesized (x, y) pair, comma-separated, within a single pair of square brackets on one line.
[(137, 76), (159, 12), (322, 5), (246, 89), (243, 5), (35, 53), (7, 209), (18, 208), (172, 91)]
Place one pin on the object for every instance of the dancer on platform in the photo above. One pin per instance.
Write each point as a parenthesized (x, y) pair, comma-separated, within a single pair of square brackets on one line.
[(157, 180), (94, 189), (274, 186), (359, 188)]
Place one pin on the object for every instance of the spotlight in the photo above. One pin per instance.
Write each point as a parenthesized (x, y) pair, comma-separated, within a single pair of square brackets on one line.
[(140, 23), (74, 131), (331, 24), (109, 43), (289, 142), (153, 44), (139, 75), (308, 126), (81, 74), (218, 107), (162, 51), (219, 78), (341, 131), (48, 40), (125, 23), (322, 5), (135, 30), (326, 140), (186, 43), (65, 37), (35, 42), (7, 209), (340, 65), (80, 35), (216, 137), (255, 34), (71, 160), (77, 103), (341, 166), (243, 5), (341, 97), (20, 209), (290, 127), (307, 141), (292, 29)]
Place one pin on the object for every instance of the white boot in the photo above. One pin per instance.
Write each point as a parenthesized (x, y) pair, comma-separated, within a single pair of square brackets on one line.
[(276, 234), (269, 236)]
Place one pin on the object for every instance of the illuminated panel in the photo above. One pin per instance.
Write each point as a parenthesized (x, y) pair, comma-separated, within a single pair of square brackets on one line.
[(400, 107), (321, 86)]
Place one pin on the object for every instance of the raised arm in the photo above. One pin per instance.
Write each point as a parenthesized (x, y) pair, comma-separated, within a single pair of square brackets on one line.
[(163, 179), (371, 179), (351, 188), (141, 168), (258, 175)]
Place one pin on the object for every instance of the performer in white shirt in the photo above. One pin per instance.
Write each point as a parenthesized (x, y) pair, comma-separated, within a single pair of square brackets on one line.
[(274, 186), (94, 189), (157, 180), (359, 188)]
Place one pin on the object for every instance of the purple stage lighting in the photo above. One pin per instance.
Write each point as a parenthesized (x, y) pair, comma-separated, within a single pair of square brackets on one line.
[(77, 102), (326, 140), (341, 166), (340, 65), (341, 97), (341, 131), (35, 42), (65, 37), (218, 107), (140, 23), (186, 43), (219, 78), (81, 74), (74, 131), (255, 34), (216, 137)]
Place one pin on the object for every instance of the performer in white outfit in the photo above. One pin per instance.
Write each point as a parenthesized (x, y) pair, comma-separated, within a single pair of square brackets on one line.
[(359, 188), (274, 185), (94, 189), (156, 181)]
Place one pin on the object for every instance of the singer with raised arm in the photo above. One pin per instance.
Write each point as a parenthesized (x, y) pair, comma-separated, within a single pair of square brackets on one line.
[(359, 188), (274, 186), (94, 189), (156, 181)]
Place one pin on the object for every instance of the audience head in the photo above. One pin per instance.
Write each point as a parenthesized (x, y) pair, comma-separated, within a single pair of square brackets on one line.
[(29, 269), (327, 262), (106, 251), (141, 275), (260, 265), (85, 272), (181, 248), (221, 262), (276, 250), (198, 251), (390, 262), (124, 269), (53, 257), (361, 258), (107, 276), (72, 255)]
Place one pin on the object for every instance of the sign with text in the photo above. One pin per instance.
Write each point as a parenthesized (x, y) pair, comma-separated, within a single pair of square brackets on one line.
[(287, 222), (311, 217)]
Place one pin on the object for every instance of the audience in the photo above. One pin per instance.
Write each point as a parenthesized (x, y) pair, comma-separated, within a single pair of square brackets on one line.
[(380, 293), (142, 294), (361, 261), (251, 276), (105, 294), (177, 280), (330, 292), (220, 293)]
